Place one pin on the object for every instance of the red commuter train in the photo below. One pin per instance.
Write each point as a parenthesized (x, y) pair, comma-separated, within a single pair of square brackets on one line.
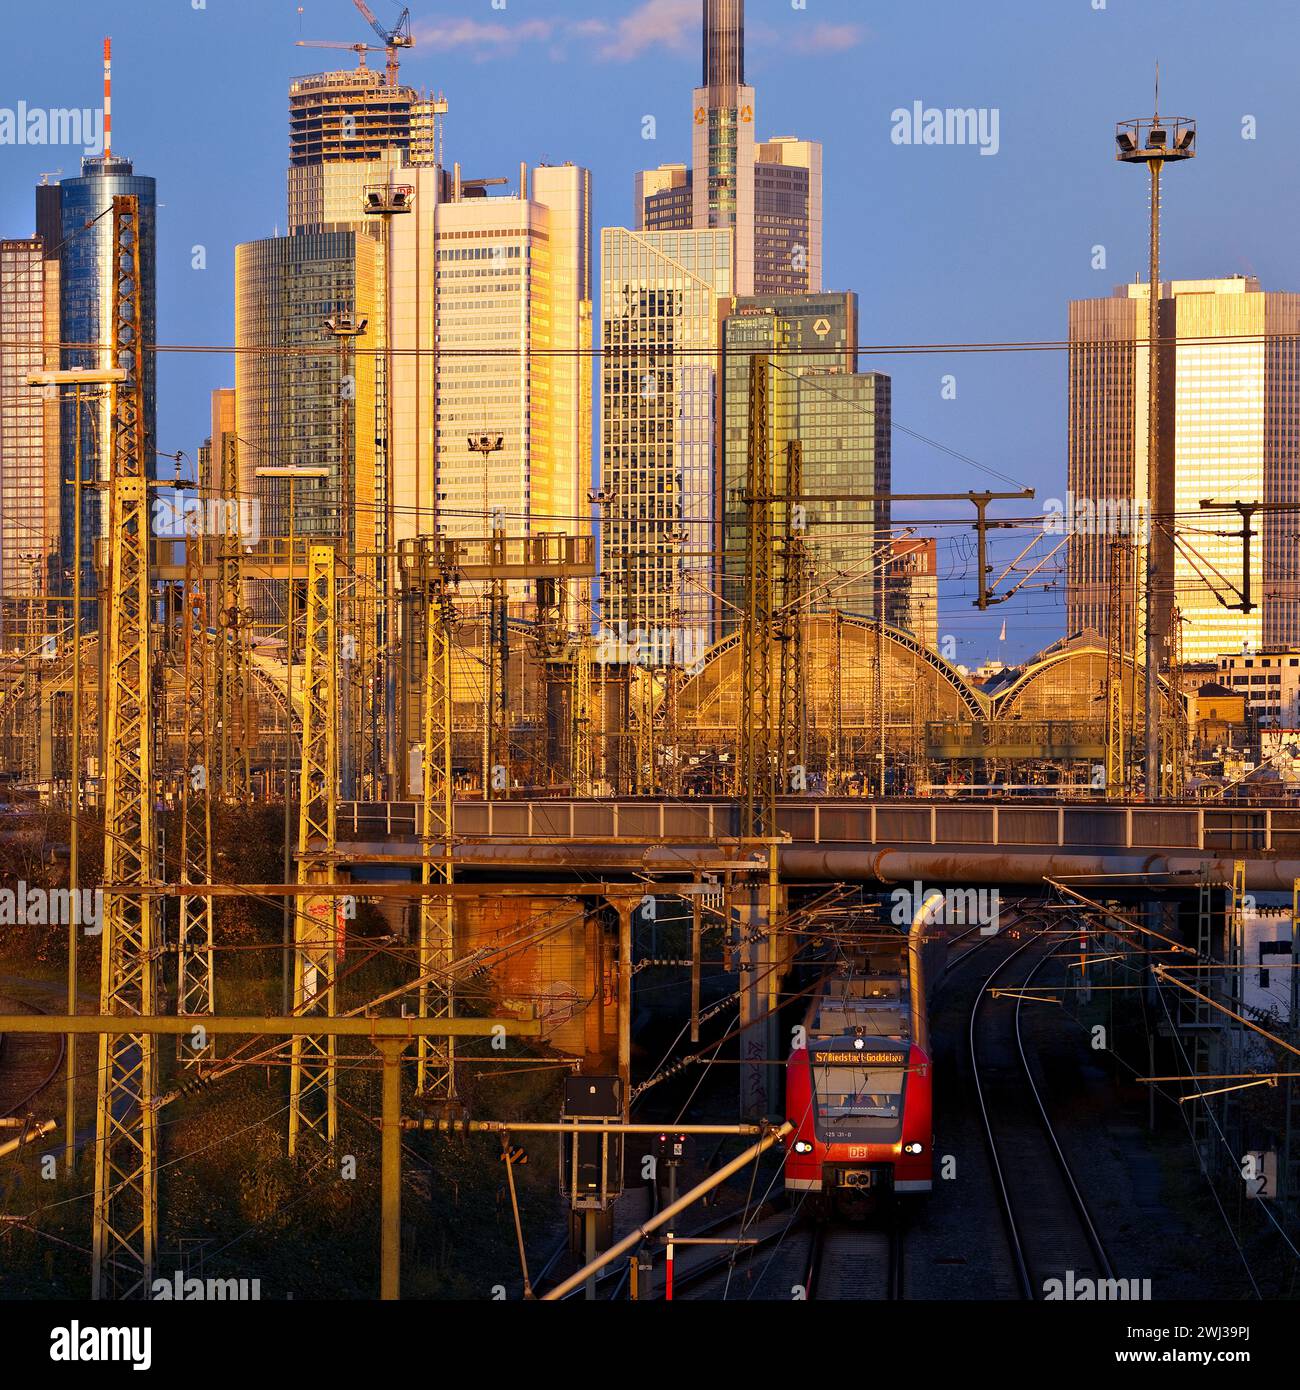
[(859, 1091)]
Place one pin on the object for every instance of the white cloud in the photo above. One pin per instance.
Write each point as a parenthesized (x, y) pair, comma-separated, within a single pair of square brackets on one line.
[(828, 38), (669, 25), (496, 37), (804, 37)]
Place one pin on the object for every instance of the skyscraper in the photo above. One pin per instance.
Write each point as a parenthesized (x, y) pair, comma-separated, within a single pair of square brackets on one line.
[(770, 193), (413, 304), (345, 130), (663, 296), (1230, 394), (842, 420), (513, 327), (86, 316), (224, 427), (722, 145), (29, 433), (290, 385), (485, 302), (788, 216), (912, 589)]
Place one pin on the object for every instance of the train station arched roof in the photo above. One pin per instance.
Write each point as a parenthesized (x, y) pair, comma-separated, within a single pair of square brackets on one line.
[(919, 686)]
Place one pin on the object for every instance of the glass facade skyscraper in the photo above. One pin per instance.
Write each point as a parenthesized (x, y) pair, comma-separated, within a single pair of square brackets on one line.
[(842, 420), (663, 298), (85, 319), (289, 387)]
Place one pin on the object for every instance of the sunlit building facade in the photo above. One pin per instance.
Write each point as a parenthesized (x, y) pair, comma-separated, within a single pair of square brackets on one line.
[(513, 315), (412, 311), (912, 589), (788, 216), (664, 297), (331, 196), (1107, 448), (29, 433), (1230, 429), (224, 428)]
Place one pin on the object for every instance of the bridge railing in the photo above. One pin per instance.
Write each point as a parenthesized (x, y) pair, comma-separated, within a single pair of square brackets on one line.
[(1216, 830)]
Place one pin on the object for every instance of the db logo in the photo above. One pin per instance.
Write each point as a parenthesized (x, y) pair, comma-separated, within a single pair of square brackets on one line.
[(857, 1152)]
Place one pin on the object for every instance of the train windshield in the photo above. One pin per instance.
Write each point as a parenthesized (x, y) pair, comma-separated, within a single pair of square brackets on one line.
[(857, 1100)]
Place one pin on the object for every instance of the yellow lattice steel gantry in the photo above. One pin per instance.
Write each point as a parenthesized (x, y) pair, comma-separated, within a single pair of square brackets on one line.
[(758, 789), (313, 1080), (581, 729), (1173, 724), (641, 710), (792, 725), (237, 702), (435, 1057), (1116, 764), (194, 932), (125, 1212)]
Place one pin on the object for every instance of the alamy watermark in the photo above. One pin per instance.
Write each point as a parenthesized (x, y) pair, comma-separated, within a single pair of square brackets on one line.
[(948, 125), (52, 907), (1098, 516), (179, 515), (59, 125), (74, 1342), (1075, 1290), (179, 1289), (968, 907), (654, 648)]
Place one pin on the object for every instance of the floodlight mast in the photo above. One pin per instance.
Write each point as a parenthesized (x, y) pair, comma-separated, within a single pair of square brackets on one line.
[(1155, 142)]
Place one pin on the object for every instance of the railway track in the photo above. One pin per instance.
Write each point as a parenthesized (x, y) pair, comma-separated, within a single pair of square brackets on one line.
[(770, 1269), (693, 1264), (975, 940), (855, 1263), (28, 1063), (1048, 1225)]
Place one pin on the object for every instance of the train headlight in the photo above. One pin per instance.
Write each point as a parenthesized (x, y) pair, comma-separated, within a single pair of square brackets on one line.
[(802, 1146), (913, 1148)]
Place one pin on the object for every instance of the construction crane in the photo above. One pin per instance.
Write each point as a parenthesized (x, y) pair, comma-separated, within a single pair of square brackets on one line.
[(360, 49), (399, 36)]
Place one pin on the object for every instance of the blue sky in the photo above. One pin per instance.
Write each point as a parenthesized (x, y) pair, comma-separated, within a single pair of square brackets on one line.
[(942, 245)]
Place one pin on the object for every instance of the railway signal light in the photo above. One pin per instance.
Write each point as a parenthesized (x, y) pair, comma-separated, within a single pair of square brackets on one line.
[(671, 1149), (591, 1158)]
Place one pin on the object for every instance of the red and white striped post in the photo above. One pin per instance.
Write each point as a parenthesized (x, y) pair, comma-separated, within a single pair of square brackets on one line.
[(108, 98), (668, 1275)]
